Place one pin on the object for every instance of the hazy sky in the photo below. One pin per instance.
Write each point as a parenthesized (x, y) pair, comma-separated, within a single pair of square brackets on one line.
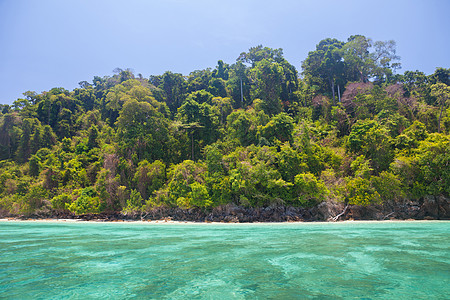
[(58, 43)]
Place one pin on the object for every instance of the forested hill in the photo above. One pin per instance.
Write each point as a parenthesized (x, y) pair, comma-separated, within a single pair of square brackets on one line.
[(254, 133)]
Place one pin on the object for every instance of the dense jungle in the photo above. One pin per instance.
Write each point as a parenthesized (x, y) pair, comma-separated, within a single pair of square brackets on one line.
[(346, 136)]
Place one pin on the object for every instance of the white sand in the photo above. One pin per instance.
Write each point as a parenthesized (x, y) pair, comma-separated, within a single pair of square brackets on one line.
[(207, 223)]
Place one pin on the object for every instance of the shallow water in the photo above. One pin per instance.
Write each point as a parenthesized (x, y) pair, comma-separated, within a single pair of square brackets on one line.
[(396, 260)]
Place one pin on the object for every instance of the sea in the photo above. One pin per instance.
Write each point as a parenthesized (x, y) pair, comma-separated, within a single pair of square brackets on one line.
[(135, 260)]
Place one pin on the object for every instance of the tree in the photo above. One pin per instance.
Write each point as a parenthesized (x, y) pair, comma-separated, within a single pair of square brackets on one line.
[(93, 137), (149, 177), (372, 140), (48, 137), (36, 140), (24, 151), (279, 128), (268, 77), (199, 80), (217, 87), (200, 96), (357, 57), (415, 83), (259, 53), (221, 70), (9, 134), (325, 65), (86, 96), (440, 75), (200, 119), (225, 107), (243, 125), (290, 162), (142, 130), (174, 87), (385, 58), (308, 190), (20, 104), (442, 93), (360, 191), (239, 85), (180, 180), (134, 203), (87, 201)]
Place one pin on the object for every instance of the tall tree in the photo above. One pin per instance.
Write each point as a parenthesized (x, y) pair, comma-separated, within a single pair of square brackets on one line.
[(258, 53), (357, 57), (174, 87), (325, 65), (442, 93), (268, 78), (385, 58), (239, 85), (142, 130)]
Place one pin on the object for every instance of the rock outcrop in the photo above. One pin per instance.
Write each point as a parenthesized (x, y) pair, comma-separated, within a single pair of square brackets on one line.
[(428, 208)]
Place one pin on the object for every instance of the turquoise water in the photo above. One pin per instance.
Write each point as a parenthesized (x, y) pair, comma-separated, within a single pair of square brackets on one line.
[(399, 260)]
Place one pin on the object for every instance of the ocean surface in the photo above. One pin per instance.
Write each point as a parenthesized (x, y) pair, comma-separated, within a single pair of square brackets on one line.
[(351, 260)]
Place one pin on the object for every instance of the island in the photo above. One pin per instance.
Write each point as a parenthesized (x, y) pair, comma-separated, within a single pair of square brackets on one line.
[(251, 141)]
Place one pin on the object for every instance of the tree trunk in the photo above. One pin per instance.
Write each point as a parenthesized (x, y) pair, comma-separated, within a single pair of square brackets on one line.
[(339, 94), (332, 88), (192, 141), (440, 117), (342, 213), (242, 96)]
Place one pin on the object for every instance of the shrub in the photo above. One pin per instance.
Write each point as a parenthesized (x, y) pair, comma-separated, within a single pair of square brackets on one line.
[(134, 203), (87, 202), (361, 192), (309, 190)]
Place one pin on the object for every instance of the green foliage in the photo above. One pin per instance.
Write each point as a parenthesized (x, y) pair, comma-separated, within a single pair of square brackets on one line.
[(361, 167), (269, 76), (86, 201), (255, 134), (290, 162), (200, 97), (134, 203), (149, 177), (389, 187), (280, 128), (242, 126), (61, 201), (372, 140), (197, 197), (142, 130), (93, 137), (253, 177), (35, 197), (441, 91), (181, 177), (361, 192), (35, 166), (308, 190), (411, 136), (432, 159)]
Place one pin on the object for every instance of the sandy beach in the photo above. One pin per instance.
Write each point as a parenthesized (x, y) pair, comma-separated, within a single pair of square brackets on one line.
[(150, 222)]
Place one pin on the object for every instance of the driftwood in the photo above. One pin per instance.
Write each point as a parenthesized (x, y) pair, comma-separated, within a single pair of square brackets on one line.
[(143, 216), (334, 219), (388, 215)]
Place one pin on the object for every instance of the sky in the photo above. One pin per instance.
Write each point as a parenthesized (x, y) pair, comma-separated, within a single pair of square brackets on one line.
[(58, 43)]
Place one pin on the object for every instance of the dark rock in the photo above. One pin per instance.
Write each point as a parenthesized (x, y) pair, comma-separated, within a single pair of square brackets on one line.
[(430, 207)]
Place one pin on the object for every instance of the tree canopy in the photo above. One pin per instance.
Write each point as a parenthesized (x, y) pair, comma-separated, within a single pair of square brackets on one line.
[(253, 133)]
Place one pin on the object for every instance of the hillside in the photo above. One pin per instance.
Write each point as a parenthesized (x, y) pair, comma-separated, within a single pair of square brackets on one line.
[(346, 132)]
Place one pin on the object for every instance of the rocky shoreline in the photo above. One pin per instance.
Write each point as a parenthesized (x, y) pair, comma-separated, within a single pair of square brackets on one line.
[(428, 208)]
